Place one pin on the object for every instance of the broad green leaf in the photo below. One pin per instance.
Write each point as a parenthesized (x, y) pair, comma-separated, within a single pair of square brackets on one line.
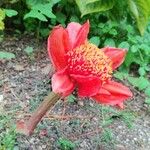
[(95, 40), (10, 12), (45, 9), (6, 55), (91, 6), (35, 14), (141, 12)]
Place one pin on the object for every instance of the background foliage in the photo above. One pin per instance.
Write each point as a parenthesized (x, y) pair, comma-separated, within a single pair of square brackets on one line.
[(116, 23)]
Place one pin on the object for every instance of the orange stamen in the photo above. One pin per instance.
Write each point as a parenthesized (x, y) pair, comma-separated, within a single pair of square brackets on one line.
[(88, 59)]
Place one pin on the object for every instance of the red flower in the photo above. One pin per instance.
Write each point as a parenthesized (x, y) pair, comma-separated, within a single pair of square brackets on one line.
[(80, 64)]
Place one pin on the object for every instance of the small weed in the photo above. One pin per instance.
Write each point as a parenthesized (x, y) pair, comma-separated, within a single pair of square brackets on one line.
[(7, 133), (107, 136), (71, 98), (65, 144)]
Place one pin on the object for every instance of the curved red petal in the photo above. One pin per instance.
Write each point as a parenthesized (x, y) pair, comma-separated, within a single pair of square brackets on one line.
[(58, 45), (87, 85), (117, 88), (82, 34), (117, 55), (110, 99), (117, 93), (73, 29), (62, 84)]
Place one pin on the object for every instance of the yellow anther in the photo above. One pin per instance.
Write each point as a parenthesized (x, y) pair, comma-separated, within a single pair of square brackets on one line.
[(88, 59)]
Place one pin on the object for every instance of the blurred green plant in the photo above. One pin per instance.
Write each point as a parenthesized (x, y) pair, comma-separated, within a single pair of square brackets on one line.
[(66, 144), (6, 55), (138, 8), (142, 83), (3, 14), (7, 133)]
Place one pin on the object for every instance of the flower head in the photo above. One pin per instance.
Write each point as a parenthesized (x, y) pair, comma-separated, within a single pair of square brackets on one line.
[(80, 64)]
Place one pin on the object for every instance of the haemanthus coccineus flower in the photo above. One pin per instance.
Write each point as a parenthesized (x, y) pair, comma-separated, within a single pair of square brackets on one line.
[(80, 64)]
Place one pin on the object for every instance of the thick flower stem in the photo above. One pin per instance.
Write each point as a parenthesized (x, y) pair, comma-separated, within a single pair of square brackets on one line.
[(28, 127)]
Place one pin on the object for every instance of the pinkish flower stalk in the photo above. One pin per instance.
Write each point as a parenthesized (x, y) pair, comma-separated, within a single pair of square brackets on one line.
[(28, 127)]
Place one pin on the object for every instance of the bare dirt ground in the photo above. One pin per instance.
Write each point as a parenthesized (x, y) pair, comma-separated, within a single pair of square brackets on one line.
[(25, 80)]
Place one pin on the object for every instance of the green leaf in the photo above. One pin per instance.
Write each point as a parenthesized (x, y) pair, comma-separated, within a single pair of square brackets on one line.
[(109, 42), (147, 91), (147, 101), (71, 98), (10, 12), (65, 144), (129, 58), (142, 71), (134, 48), (133, 81), (120, 75), (45, 9), (44, 32), (141, 12), (124, 45), (2, 14), (113, 32), (60, 17), (31, 3), (91, 6), (29, 50), (35, 14), (74, 18), (95, 40), (140, 82), (6, 55)]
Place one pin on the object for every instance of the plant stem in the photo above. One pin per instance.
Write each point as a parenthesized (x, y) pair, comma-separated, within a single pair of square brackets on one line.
[(28, 127)]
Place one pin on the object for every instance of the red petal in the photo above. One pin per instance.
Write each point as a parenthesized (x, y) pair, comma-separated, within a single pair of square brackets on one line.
[(82, 34), (58, 45), (62, 84), (117, 55), (87, 85), (117, 88), (73, 29), (118, 94)]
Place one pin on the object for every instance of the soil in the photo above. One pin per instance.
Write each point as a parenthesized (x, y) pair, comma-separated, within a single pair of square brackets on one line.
[(25, 81)]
